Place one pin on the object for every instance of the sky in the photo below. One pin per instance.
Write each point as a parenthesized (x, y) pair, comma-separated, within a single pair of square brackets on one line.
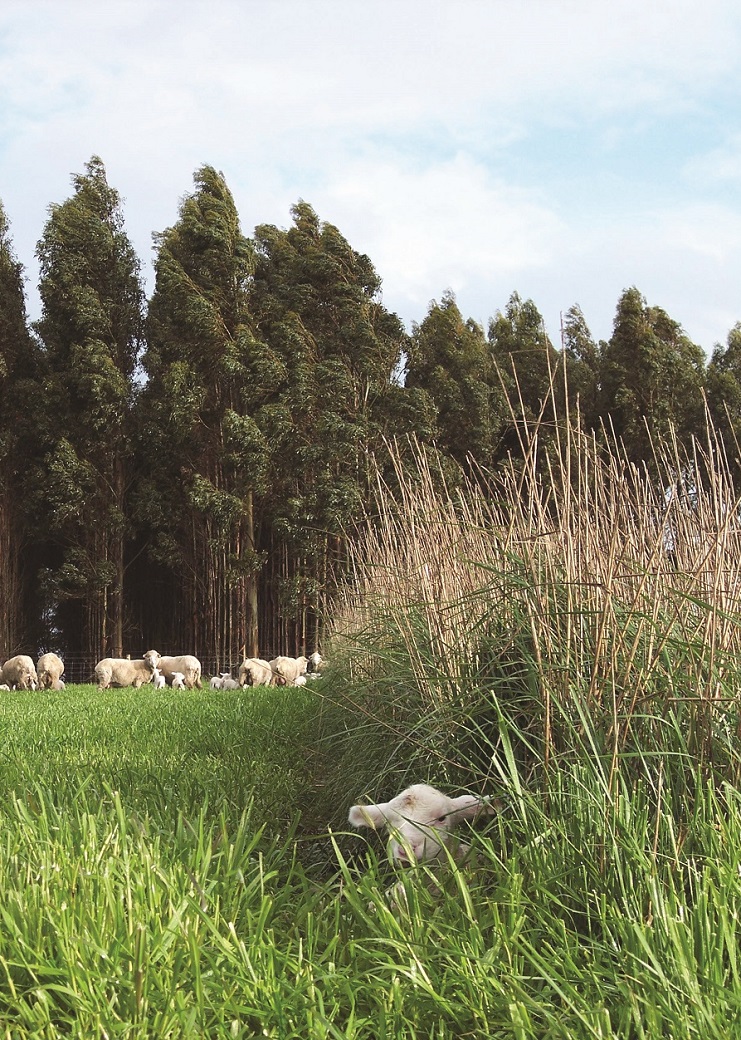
[(565, 150)]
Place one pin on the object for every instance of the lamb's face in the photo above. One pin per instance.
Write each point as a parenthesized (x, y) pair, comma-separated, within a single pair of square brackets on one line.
[(420, 821)]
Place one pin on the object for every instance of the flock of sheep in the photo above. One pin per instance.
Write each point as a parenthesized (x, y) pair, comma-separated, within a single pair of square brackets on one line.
[(20, 673), (420, 820)]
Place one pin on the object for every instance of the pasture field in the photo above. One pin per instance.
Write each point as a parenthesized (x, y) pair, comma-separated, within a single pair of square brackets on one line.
[(157, 879), (178, 864)]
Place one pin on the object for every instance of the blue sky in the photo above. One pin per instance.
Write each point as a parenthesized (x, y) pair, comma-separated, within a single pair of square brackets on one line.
[(562, 149)]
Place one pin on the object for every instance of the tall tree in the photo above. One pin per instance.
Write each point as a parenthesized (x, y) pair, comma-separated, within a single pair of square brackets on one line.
[(317, 302), (205, 457), (724, 395), (528, 364), (18, 366), (582, 366), (90, 331), (449, 359), (651, 377)]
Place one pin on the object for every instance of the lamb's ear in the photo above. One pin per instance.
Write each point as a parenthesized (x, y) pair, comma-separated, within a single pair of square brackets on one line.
[(467, 806), (368, 815)]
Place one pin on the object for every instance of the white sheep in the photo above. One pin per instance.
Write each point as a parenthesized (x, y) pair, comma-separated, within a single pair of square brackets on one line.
[(19, 672), (421, 820), (253, 671), (215, 682), (178, 681), (122, 671), (49, 668), (316, 663), (229, 683), (158, 679), (300, 680), (4, 686), (287, 669), (58, 684), (187, 664)]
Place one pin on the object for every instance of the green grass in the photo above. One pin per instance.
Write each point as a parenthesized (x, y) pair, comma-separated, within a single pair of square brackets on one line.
[(178, 864), (149, 889)]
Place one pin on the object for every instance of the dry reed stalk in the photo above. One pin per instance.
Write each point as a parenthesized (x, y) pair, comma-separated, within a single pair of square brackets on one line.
[(609, 567)]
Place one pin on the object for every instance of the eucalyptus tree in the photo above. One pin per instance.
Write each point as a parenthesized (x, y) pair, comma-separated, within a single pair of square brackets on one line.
[(449, 360), (90, 332), (582, 366), (318, 304), (18, 367), (724, 396), (529, 366), (651, 378), (205, 456)]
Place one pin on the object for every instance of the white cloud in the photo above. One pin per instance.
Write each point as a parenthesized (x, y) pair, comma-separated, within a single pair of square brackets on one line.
[(427, 130)]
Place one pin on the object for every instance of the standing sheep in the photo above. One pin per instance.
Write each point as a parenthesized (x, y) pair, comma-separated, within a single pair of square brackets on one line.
[(49, 670), (288, 669), (158, 679), (253, 671), (189, 666), (19, 672), (122, 671), (178, 681)]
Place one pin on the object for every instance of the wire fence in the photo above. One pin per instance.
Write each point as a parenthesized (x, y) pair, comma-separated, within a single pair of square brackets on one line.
[(80, 668)]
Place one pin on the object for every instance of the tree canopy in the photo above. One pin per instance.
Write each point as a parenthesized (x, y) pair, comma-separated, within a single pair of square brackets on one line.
[(184, 472)]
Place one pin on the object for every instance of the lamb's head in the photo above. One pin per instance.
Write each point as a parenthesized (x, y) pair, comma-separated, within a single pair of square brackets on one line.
[(420, 820)]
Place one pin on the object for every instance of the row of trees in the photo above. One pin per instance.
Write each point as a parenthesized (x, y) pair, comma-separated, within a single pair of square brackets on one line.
[(182, 472)]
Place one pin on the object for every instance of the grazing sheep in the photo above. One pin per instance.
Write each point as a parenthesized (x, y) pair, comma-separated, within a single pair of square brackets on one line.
[(19, 672), (121, 671), (288, 669), (187, 665), (158, 679), (421, 820), (215, 682), (317, 664), (178, 681), (49, 668), (253, 671)]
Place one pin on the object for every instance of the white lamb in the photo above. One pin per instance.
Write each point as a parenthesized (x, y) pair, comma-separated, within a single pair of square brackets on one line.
[(229, 683), (158, 679), (215, 682), (178, 680), (421, 820), (300, 680)]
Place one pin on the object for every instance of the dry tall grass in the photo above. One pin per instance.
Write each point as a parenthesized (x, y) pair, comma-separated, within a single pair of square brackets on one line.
[(613, 590)]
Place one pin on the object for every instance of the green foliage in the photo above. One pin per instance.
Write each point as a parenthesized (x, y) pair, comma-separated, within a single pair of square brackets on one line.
[(90, 333), (652, 377), (449, 360)]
